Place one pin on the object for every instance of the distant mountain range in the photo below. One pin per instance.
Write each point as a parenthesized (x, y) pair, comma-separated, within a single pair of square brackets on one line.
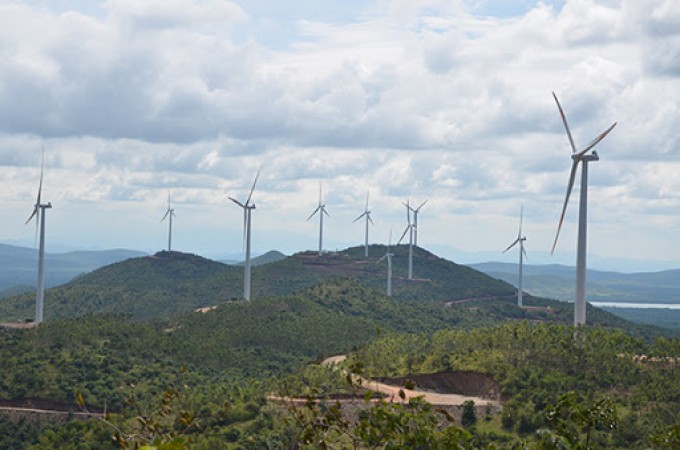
[(557, 281), (18, 265)]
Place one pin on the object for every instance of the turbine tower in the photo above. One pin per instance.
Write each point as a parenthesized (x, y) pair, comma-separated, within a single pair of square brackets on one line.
[(367, 215), (388, 256), (39, 214), (247, 209), (581, 156), (409, 229), (415, 221), (520, 240), (170, 213), (321, 209)]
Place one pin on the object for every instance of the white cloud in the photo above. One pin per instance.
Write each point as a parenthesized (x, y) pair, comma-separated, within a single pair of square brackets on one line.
[(424, 99)]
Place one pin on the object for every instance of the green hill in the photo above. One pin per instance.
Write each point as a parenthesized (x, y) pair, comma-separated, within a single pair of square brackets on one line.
[(100, 353), (171, 282)]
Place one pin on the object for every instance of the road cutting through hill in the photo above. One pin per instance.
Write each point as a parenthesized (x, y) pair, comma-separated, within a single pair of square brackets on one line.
[(393, 392)]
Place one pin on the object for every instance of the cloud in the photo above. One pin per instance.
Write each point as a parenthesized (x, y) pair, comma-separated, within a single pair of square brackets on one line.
[(425, 99)]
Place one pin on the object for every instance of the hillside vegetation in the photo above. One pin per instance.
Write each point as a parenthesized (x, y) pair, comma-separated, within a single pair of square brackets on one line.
[(167, 283)]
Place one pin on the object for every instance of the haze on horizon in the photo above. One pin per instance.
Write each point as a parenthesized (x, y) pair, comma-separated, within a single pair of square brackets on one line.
[(446, 101)]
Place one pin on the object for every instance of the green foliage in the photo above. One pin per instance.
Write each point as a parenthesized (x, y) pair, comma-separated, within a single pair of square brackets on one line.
[(537, 364), (469, 416), (167, 283)]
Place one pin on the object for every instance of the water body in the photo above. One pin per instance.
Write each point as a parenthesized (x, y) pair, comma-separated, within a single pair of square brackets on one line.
[(636, 305)]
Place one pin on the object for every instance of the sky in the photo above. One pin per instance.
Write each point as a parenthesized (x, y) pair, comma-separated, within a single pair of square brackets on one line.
[(448, 101)]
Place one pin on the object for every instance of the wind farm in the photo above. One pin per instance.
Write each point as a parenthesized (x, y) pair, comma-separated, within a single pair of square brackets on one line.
[(216, 255)]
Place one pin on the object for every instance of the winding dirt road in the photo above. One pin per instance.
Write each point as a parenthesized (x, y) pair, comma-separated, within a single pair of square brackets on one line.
[(392, 392)]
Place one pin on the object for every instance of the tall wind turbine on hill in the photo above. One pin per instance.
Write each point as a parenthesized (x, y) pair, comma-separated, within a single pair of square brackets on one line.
[(321, 209), (409, 230), (583, 157), (415, 221), (520, 240), (388, 255), (247, 209), (39, 214), (170, 213), (367, 215)]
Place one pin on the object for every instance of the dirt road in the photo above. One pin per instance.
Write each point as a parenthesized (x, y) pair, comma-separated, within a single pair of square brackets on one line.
[(392, 392)]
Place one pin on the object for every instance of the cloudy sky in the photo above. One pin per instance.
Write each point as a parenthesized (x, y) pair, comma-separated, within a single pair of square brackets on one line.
[(424, 99)]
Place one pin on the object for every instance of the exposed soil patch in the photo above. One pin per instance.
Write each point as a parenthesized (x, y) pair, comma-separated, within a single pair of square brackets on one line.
[(470, 384)]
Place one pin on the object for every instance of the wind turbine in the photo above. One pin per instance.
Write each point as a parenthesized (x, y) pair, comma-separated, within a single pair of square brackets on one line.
[(367, 215), (388, 256), (409, 229), (321, 209), (520, 240), (415, 221), (581, 156), (247, 209), (39, 214), (170, 213)]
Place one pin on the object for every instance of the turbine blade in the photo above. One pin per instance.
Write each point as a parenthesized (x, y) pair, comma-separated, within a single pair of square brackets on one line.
[(367, 194), (402, 236), (315, 211), (521, 215), (566, 125), (597, 140), (362, 215), (35, 211), (382, 257), (368, 216), (253, 188), (524, 251), (165, 215), (389, 243), (237, 202), (570, 186), (323, 210), (421, 205), (511, 245)]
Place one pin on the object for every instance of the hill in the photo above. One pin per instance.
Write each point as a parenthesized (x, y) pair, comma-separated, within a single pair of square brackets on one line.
[(18, 265), (557, 281), (145, 288), (100, 353), (266, 258), (171, 282)]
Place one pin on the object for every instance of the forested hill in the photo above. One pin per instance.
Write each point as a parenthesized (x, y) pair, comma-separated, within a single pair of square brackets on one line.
[(170, 282)]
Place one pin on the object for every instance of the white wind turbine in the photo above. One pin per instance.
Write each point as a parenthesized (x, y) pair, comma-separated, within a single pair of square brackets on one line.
[(321, 209), (39, 214), (409, 229), (170, 213), (522, 253), (415, 221), (367, 215), (247, 209), (388, 255), (577, 157)]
